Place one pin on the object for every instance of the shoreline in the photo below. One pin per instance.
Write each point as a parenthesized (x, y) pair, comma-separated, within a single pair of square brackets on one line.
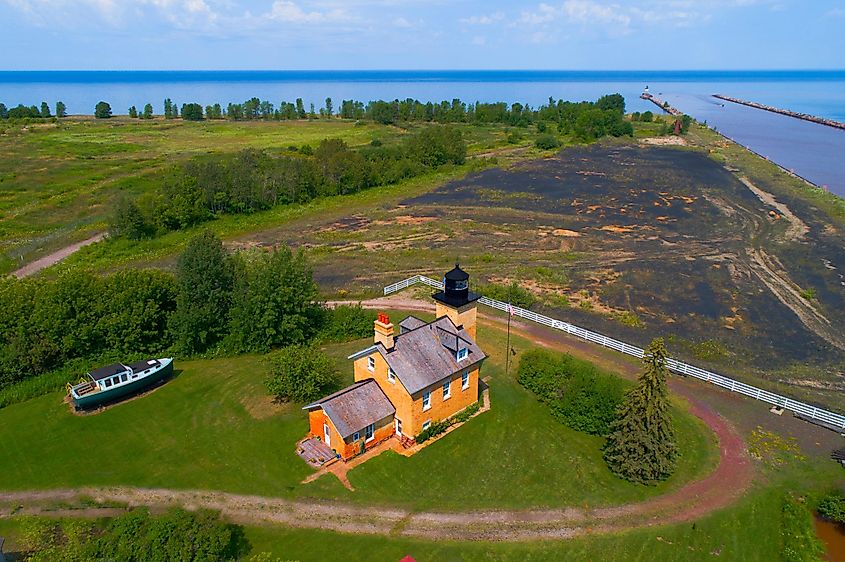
[(788, 113)]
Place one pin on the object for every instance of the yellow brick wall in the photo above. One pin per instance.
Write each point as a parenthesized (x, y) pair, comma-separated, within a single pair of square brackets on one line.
[(410, 409), (441, 409), (383, 430), (465, 316)]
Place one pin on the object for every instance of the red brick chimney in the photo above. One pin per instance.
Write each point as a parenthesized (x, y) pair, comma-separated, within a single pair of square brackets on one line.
[(384, 331)]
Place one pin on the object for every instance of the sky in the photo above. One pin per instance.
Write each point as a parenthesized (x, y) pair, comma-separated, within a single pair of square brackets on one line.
[(421, 34)]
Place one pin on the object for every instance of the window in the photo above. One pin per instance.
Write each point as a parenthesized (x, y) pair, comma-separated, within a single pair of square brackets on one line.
[(115, 380), (371, 363), (123, 377), (426, 424), (370, 432), (447, 389), (391, 375), (461, 285), (465, 380), (426, 400), (108, 383), (356, 436), (462, 354)]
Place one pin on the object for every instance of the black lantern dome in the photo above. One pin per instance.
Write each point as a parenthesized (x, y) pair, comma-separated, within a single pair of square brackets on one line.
[(456, 291)]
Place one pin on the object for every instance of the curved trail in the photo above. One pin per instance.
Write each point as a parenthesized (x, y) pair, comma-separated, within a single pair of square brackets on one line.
[(55, 257), (694, 500)]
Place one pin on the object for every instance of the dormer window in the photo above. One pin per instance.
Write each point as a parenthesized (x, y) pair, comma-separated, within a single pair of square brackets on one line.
[(462, 354), (391, 375)]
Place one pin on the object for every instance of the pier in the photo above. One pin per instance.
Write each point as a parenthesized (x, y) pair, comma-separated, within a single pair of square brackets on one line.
[(661, 104), (788, 113)]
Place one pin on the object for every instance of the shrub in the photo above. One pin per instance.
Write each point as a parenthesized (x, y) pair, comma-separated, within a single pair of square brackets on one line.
[(832, 507), (301, 374), (346, 322), (578, 394), (512, 293), (547, 142), (438, 427)]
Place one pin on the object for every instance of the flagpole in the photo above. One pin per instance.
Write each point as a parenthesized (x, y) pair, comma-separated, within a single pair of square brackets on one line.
[(508, 348)]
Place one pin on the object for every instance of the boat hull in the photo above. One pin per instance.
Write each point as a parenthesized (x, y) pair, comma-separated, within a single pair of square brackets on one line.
[(97, 399)]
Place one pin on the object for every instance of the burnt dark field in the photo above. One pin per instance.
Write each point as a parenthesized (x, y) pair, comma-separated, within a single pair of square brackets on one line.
[(630, 240), (665, 241)]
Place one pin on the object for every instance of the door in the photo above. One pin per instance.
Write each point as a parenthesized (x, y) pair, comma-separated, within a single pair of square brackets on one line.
[(327, 437), (398, 426)]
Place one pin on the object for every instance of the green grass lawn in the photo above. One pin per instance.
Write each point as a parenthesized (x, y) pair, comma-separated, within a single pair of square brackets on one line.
[(213, 428)]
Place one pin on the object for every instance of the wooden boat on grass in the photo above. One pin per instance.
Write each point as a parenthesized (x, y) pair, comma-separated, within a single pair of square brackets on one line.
[(113, 382)]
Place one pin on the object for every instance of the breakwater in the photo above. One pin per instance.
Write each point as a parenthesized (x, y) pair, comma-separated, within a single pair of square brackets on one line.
[(664, 105), (795, 114)]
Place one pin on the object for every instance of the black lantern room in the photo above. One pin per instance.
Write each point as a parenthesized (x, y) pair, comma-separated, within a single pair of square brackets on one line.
[(456, 291)]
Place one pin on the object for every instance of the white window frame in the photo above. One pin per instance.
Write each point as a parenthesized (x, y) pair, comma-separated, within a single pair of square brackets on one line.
[(462, 354), (426, 401), (426, 424), (447, 390), (371, 429), (465, 380), (391, 375), (371, 363)]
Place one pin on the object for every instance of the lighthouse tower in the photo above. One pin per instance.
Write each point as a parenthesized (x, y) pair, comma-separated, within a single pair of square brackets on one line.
[(456, 300)]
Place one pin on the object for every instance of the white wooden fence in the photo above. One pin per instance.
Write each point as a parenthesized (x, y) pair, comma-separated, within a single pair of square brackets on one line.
[(824, 417)]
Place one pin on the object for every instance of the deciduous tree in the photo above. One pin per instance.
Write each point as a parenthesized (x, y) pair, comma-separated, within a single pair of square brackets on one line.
[(301, 374), (204, 274), (102, 110)]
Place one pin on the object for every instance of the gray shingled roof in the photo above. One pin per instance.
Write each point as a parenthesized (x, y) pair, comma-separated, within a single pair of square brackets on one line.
[(355, 407), (422, 357), (410, 323)]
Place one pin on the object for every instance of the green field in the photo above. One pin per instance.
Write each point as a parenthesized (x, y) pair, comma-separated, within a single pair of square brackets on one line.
[(59, 181), (213, 428)]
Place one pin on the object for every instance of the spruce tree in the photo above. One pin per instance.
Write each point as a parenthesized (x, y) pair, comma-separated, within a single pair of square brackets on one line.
[(641, 445)]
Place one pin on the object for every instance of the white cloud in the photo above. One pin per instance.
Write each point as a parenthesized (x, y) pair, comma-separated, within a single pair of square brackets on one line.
[(287, 11), (484, 19)]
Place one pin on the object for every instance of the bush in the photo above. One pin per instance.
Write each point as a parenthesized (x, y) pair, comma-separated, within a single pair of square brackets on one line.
[(578, 394), (547, 142), (438, 427), (346, 322), (301, 374), (512, 293), (832, 507)]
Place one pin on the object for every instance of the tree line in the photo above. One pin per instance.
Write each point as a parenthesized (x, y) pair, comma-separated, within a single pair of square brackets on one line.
[(565, 113), (228, 303), (33, 112), (254, 180)]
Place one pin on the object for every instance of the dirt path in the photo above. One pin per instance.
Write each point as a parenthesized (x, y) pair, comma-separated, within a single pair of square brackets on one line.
[(696, 499), (55, 257)]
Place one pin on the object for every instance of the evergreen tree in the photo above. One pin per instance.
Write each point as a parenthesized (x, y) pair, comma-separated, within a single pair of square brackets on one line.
[(168, 108), (133, 112), (61, 110), (641, 445), (4, 111), (329, 107), (300, 109), (45, 109), (148, 111), (204, 275)]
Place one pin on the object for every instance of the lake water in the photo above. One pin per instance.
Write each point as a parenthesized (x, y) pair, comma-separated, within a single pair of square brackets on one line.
[(813, 151)]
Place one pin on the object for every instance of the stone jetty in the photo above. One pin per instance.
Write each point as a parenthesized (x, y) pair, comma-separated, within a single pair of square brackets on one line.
[(796, 115)]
